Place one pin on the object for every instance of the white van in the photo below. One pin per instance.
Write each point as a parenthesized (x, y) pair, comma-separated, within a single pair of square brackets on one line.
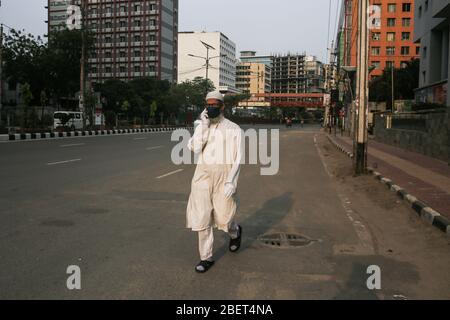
[(75, 122)]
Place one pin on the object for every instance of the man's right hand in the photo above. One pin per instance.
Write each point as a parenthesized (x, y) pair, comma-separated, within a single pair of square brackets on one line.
[(204, 118)]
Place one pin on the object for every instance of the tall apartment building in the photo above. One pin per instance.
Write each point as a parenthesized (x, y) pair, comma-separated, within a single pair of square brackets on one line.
[(133, 38), (432, 30), (253, 77), (390, 37), (192, 55)]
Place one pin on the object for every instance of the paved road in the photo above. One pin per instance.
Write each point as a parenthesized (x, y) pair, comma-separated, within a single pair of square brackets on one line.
[(98, 203)]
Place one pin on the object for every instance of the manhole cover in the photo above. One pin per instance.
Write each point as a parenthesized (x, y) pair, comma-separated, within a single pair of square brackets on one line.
[(283, 240)]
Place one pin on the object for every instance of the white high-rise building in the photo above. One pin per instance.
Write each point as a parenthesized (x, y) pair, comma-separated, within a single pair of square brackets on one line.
[(192, 53)]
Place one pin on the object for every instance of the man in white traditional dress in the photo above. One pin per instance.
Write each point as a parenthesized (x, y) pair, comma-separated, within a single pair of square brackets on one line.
[(212, 201)]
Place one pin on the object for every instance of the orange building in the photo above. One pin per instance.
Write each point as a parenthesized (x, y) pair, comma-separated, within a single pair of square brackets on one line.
[(390, 37)]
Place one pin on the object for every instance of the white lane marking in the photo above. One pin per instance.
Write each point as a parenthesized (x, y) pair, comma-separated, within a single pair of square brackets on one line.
[(169, 174), (72, 145), (153, 148), (140, 139), (361, 230), (61, 162)]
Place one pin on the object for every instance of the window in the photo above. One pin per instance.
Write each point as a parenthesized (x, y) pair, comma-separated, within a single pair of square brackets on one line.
[(375, 51), (108, 10), (392, 7), (137, 69), (390, 36), (94, 70), (108, 25), (108, 70), (376, 65), (426, 5), (137, 54), (420, 11), (424, 52), (123, 24), (152, 7), (137, 38), (152, 53), (137, 23), (137, 8), (405, 51), (108, 39), (122, 9), (390, 51), (376, 36), (122, 39), (122, 54), (108, 54), (417, 50), (151, 68), (406, 22), (406, 36), (152, 23), (389, 64), (122, 69), (152, 38), (391, 22), (406, 7)]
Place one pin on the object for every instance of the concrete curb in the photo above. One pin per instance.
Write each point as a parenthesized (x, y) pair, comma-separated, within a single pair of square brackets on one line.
[(59, 135), (425, 212)]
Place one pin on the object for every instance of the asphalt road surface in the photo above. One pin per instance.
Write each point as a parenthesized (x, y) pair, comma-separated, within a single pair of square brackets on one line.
[(115, 207)]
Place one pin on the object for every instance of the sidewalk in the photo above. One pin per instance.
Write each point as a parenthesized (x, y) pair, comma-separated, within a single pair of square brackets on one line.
[(426, 178)]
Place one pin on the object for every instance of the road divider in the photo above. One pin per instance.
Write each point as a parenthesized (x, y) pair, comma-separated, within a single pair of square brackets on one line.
[(71, 134)]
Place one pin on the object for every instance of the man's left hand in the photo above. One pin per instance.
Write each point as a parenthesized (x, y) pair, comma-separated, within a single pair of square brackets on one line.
[(229, 189)]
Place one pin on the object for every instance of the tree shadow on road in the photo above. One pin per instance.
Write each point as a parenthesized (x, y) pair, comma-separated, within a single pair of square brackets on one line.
[(260, 222)]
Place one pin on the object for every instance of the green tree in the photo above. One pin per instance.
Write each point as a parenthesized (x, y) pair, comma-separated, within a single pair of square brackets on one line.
[(405, 81)]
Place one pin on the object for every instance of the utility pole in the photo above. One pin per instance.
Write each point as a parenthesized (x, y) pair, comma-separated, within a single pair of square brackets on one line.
[(392, 92), (207, 59), (83, 63), (362, 75), (1, 70)]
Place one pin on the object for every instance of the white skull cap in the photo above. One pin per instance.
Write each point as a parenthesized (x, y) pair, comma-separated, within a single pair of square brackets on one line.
[(215, 95)]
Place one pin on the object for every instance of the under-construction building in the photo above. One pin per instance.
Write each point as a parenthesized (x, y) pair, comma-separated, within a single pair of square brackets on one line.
[(297, 74), (288, 74)]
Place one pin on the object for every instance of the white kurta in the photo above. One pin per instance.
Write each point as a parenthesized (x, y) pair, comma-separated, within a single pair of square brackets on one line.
[(219, 147)]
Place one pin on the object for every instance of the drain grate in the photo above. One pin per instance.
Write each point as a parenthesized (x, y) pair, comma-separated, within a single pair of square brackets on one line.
[(283, 240)]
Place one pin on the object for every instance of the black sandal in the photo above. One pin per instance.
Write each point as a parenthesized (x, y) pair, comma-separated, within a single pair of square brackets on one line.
[(203, 266), (236, 243)]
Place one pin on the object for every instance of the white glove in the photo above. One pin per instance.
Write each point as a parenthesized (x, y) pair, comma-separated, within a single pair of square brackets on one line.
[(204, 118), (229, 189)]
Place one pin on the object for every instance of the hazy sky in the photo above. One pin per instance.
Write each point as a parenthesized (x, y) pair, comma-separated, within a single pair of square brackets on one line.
[(267, 26)]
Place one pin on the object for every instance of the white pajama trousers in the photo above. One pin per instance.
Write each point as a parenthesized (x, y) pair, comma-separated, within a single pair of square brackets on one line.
[(206, 240)]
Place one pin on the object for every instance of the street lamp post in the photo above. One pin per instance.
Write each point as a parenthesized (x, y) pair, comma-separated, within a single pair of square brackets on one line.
[(207, 59)]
